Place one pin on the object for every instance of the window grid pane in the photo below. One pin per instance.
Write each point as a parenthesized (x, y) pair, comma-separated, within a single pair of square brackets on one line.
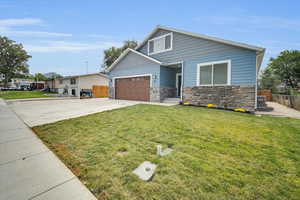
[(206, 75), (220, 73), (159, 44), (168, 42), (151, 46)]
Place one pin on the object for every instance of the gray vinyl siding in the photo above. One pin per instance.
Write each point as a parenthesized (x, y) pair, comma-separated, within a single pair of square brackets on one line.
[(242, 68), (193, 51), (167, 77), (134, 64)]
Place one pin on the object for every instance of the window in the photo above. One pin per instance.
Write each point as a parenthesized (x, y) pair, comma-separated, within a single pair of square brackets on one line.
[(61, 81), (214, 73), (73, 81), (160, 44)]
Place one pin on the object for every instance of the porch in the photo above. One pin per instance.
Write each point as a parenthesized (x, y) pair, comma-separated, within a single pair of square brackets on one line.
[(171, 82)]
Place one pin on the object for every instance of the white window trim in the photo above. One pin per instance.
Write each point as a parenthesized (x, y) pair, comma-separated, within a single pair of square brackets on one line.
[(156, 38), (212, 74), (177, 79)]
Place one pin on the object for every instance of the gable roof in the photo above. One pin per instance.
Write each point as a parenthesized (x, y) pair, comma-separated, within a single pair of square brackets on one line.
[(260, 51), (133, 51), (83, 75), (197, 35)]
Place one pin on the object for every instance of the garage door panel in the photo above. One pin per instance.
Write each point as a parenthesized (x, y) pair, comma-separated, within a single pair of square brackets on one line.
[(136, 88)]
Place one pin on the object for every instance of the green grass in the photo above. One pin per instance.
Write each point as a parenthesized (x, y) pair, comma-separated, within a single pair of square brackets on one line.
[(217, 154), (22, 94)]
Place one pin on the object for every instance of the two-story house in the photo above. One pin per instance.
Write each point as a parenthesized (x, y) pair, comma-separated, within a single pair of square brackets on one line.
[(194, 68)]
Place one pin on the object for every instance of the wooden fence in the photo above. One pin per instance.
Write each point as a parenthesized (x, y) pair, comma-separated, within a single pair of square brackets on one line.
[(100, 91), (287, 100), (266, 93)]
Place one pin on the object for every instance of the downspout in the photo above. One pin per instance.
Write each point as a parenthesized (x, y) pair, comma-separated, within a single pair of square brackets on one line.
[(256, 74), (79, 91), (182, 79)]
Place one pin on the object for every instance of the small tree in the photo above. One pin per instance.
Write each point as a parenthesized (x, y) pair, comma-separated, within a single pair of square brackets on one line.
[(52, 75), (112, 54), (287, 68), (13, 59), (40, 77)]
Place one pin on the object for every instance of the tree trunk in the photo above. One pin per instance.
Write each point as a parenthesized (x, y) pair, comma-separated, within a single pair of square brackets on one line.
[(5, 82), (6, 79)]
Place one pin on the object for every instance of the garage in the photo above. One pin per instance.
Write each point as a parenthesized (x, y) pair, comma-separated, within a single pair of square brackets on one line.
[(133, 88)]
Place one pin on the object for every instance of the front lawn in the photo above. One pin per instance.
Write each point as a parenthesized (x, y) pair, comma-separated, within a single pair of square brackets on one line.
[(217, 154), (22, 94)]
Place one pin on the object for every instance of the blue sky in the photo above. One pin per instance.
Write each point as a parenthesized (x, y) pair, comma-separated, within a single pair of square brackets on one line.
[(62, 35)]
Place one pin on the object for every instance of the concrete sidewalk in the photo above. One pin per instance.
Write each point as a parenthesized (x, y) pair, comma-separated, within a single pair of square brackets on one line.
[(280, 111), (28, 169)]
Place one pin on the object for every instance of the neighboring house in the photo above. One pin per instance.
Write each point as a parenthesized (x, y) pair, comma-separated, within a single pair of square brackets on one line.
[(20, 82), (52, 85), (73, 85), (195, 68)]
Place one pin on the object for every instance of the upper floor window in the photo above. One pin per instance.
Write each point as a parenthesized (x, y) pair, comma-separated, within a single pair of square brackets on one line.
[(61, 81), (214, 73), (73, 81), (160, 44)]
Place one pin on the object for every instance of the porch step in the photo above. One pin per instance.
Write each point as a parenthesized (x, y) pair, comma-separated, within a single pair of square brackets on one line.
[(171, 100)]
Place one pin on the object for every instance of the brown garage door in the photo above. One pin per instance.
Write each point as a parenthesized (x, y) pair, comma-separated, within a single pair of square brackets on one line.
[(136, 88)]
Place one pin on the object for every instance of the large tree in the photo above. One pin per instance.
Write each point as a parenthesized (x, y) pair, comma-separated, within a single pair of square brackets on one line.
[(286, 67), (268, 80), (111, 54), (13, 59)]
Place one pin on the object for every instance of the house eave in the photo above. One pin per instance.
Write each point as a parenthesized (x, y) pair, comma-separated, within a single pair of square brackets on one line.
[(133, 51)]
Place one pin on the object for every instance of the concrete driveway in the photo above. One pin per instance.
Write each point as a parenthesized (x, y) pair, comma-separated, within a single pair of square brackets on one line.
[(41, 112)]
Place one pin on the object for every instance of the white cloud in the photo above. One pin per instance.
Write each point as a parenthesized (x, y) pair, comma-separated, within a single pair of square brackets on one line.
[(34, 33), (20, 22), (7, 28), (100, 36), (62, 46)]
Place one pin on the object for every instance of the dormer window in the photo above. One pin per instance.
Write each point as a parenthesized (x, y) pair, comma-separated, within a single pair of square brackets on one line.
[(160, 44)]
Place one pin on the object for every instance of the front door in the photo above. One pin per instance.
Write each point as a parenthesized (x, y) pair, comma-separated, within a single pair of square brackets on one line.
[(178, 84)]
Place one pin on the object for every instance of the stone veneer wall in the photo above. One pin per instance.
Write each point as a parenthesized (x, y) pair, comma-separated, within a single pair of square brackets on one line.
[(154, 94), (167, 93), (223, 96)]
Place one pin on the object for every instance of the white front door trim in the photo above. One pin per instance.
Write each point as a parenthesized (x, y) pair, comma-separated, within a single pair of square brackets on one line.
[(177, 78)]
